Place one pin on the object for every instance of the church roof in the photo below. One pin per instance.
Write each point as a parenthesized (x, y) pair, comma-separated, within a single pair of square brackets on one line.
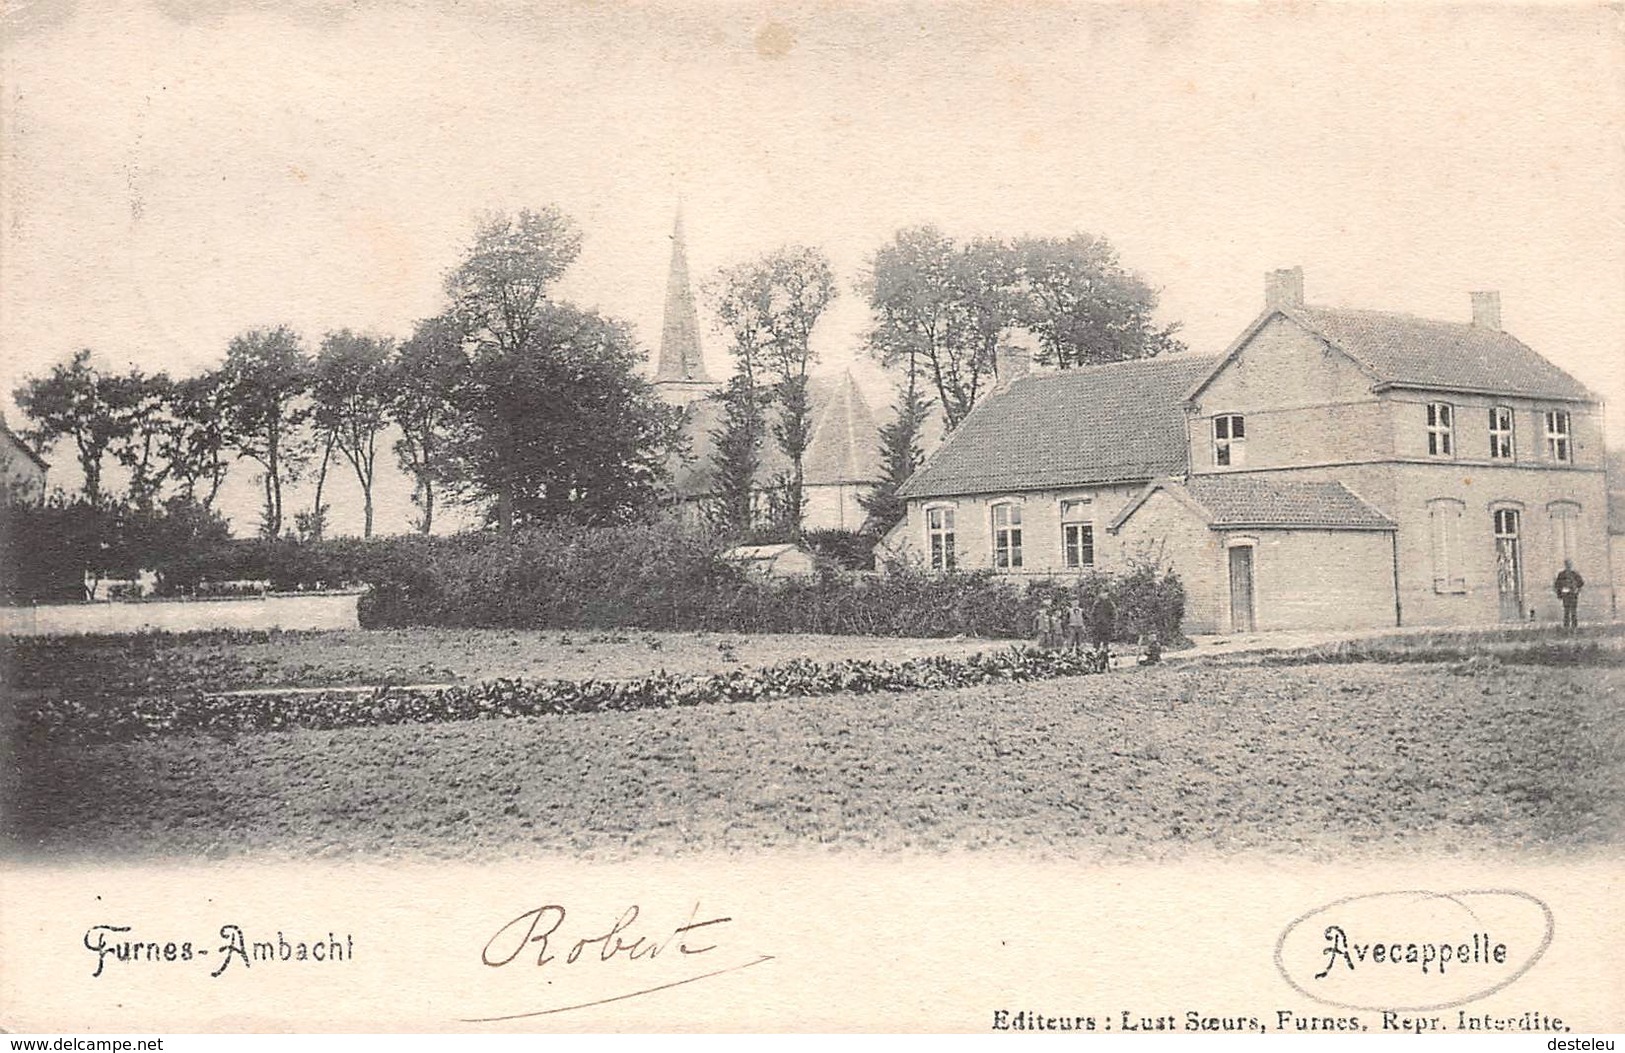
[(1123, 422), (680, 358)]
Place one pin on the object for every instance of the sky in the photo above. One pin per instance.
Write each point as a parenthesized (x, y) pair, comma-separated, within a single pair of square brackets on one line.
[(174, 173)]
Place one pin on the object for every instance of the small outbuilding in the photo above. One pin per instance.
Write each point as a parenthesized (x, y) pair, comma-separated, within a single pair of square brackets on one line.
[(772, 561)]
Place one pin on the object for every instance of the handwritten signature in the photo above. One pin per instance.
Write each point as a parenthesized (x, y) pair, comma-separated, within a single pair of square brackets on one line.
[(542, 930)]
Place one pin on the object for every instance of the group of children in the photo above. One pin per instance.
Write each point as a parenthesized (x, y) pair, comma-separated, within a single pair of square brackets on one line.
[(1054, 627)]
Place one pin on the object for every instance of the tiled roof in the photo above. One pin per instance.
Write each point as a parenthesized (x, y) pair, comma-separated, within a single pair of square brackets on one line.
[(844, 446), (1263, 501), (1402, 351), (1123, 422)]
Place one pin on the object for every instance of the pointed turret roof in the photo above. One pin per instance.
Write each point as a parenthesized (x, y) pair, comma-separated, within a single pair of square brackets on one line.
[(680, 336)]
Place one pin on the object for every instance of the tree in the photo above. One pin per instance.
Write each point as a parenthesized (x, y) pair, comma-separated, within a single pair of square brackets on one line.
[(262, 387), (1084, 307), (423, 378), (499, 296), (563, 428), (74, 401), (934, 317), (743, 302), (350, 396), (900, 456), (774, 303), (738, 451), (194, 444), (499, 293), (144, 404)]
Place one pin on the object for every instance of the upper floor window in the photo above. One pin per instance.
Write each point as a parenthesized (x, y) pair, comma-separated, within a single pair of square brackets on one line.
[(1441, 427), (1077, 534), (1502, 447), (1444, 519), (1007, 536), (1229, 440), (939, 537), (1559, 440)]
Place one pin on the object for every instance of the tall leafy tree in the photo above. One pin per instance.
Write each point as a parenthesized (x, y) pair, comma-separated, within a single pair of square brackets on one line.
[(193, 447), (783, 295), (1084, 306), (563, 428), (743, 303), (499, 293), (74, 401), (423, 379), (144, 403), (499, 296), (263, 383), (933, 320), (350, 396), (900, 455)]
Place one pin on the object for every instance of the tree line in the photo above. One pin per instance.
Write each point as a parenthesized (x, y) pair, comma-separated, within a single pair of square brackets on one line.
[(946, 318), (508, 399), (533, 409)]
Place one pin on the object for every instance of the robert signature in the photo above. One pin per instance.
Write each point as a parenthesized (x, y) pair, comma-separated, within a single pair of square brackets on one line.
[(542, 930), (539, 926)]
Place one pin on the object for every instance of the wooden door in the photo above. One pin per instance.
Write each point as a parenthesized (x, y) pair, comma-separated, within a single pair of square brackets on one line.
[(1241, 589)]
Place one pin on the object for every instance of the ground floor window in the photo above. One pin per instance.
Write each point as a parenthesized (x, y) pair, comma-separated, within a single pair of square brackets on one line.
[(1444, 517), (939, 533), (1509, 562), (1565, 530), (1077, 534), (1007, 536)]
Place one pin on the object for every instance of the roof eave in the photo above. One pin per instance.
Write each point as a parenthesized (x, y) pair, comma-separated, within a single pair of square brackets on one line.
[(1266, 525), (1018, 488), (1589, 398)]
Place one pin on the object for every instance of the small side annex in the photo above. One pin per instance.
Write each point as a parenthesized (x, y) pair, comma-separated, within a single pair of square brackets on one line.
[(1263, 553)]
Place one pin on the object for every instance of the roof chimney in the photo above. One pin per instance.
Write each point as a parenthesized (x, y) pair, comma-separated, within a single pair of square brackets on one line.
[(1283, 288), (1486, 309)]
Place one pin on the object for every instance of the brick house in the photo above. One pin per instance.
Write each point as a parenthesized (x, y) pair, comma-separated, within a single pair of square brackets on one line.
[(1333, 468)]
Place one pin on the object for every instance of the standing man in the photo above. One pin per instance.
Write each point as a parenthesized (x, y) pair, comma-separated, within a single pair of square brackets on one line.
[(1568, 586)]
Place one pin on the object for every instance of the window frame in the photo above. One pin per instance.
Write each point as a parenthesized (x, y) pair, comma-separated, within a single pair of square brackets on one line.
[(1439, 418), (1559, 441), (941, 539), (1229, 449), (1077, 534), (1006, 537), (1503, 440)]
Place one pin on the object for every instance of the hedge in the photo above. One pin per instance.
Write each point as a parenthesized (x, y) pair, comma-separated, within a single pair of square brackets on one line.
[(667, 576), (655, 575)]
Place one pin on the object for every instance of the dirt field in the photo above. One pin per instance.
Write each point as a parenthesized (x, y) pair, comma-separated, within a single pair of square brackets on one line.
[(212, 662), (1320, 759)]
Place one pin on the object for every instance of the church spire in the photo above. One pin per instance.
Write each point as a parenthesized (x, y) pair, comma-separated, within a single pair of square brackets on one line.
[(680, 360)]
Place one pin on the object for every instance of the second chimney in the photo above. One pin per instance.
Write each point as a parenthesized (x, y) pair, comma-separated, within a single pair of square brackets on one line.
[(1283, 288), (1486, 309)]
